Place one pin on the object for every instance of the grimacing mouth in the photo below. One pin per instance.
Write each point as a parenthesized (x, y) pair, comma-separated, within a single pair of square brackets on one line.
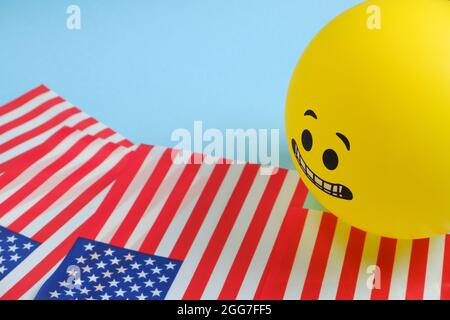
[(333, 189)]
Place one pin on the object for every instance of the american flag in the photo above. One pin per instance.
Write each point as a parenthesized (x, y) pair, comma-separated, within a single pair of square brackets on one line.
[(236, 233), (32, 118)]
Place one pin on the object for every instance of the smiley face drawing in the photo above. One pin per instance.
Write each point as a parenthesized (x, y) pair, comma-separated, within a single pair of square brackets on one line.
[(330, 160), (368, 117)]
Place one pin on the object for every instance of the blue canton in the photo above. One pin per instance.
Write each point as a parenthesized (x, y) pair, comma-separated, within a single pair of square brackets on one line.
[(97, 271), (14, 248)]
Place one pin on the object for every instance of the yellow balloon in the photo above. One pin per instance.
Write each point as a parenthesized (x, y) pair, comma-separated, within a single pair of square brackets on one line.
[(368, 117)]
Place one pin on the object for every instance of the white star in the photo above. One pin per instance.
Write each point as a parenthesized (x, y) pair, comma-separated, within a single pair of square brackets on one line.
[(120, 293), (72, 272), (63, 284), (28, 246), (70, 293), (88, 247), (156, 292), (134, 287), (107, 274), (149, 283), (170, 265), (55, 294), (109, 252), (93, 278), (11, 239), (99, 287), (101, 265), (156, 270), (85, 291), (2, 260), (149, 261), (1, 250), (14, 258), (127, 278), (141, 297), (115, 261), (129, 257), (91, 298), (113, 283), (106, 296), (81, 259), (95, 256), (3, 269), (121, 269), (78, 282), (142, 274), (135, 266), (12, 248), (163, 278), (87, 269)]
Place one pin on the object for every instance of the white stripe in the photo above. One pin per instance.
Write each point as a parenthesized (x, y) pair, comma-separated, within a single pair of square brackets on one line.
[(116, 138), (73, 193), (184, 212), (305, 248), (235, 238), (27, 107), (335, 262), (155, 206), (266, 243), (52, 182), (435, 264), (195, 253), (48, 246), (39, 165), (30, 125), (369, 258), (399, 279)]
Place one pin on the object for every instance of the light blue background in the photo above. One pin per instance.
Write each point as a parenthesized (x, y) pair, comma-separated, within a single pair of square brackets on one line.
[(148, 67)]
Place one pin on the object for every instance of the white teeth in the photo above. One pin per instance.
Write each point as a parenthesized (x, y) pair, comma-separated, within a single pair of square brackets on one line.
[(332, 189)]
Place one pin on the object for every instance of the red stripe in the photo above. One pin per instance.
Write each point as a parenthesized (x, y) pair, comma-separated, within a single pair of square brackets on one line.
[(199, 212), (445, 288), (162, 222), (84, 124), (23, 161), (218, 239), (38, 130), (125, 143), (31, 115), (59, 190), (319, 258), (385, 261), (105, 133), (417, 269), (142, 202), (350, 267), (46, 173), (89, 229), (18, 102), (252, 237), (278, 268)]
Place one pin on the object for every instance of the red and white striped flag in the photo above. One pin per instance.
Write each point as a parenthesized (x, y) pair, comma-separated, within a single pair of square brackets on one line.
[(30, 119), (240, 235), (44, 198)]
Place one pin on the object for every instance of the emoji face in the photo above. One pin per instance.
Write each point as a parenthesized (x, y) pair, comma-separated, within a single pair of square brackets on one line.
[(368, 114)]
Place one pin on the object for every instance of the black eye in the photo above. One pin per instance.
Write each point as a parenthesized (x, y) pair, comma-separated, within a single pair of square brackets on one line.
[(330, 159), (307, 140)]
